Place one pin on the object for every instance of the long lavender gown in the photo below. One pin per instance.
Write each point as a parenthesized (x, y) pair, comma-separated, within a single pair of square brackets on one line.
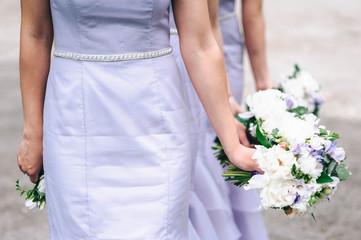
[(116, 133), (243, 204)]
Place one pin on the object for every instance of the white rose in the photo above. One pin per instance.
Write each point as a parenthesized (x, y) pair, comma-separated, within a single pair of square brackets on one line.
[(308, 82), (309, 165), (317, 142), (292, 86), (31, 205), (41, 186)]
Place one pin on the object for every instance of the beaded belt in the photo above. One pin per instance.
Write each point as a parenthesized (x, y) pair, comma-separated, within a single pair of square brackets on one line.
[(173, 31), (227, 16), (113, 58)]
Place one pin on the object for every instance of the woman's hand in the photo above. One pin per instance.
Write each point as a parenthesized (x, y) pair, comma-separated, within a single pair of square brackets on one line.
[(30, 156), (235, 108), (241, 129), (241, 157), (242, 135)]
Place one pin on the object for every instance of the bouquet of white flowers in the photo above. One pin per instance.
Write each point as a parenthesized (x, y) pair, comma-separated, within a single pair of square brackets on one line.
[(301, 85), (300, 158), (34, 198)]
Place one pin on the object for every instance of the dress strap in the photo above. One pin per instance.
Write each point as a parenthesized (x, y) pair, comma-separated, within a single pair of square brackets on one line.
[(227, 16), (113, 58)]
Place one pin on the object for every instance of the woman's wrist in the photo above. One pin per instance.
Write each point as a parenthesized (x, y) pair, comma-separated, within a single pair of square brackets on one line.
[(33, 131), (264, 83)]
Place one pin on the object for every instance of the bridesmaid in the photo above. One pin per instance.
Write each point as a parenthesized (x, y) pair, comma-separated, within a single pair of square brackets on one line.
[(200, 221), (113, 131), (244, 204)]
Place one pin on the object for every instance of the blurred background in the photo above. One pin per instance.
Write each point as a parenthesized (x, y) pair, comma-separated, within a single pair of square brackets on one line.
[(323, 37)]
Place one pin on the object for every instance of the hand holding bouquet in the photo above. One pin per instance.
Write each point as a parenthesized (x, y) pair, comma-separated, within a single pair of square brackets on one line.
[(300, 158)]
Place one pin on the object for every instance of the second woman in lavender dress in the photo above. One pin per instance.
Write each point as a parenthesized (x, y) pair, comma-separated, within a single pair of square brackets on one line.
[(243, 204), (201, 225)]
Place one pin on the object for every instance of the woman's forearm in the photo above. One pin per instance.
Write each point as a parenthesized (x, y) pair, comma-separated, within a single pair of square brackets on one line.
[(254, 31), (36, 39), (34, 68), (207, 71), (213, 7)]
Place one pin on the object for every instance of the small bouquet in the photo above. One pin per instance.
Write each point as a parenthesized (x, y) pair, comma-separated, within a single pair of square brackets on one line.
[(301, 85), (34, 198), (300, 158)]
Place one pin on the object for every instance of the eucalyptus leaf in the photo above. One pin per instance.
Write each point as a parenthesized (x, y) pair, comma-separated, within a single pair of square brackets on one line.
[(342, 172), (331, 167)]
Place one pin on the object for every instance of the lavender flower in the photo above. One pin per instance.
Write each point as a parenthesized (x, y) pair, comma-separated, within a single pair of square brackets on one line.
[(291, 101), (330, 147)]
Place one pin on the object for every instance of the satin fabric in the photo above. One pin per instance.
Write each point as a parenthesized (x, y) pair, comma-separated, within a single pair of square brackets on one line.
[(116, 134)]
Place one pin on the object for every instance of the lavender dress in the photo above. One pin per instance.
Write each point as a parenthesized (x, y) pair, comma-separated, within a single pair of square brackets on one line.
[(243, 205), (116, 133)]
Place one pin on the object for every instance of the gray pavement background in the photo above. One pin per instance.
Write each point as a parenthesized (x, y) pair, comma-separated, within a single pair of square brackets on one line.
[(323, 36)]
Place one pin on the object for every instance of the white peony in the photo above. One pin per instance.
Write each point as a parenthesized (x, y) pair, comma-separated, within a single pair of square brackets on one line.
[(266, 103), (309, 165), (275, 161), (293, 130), (276, 194)]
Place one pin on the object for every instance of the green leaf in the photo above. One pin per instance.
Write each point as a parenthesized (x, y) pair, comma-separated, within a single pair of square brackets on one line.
[(217, 147), (327, 159), (342, 172), (323, 131), (331, 167), (297, 68), (313, 216), (262, 139), (299, 110), (324, 178), (334, 135)]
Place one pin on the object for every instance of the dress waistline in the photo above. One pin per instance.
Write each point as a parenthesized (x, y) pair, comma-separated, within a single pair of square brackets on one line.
[(113, 58)]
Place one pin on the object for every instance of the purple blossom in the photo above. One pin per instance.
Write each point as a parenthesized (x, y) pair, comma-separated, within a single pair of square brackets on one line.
[(339, 154), (298, 196), (301, 148), (330, 147), (291, 101), (256, 173), (318, 155)]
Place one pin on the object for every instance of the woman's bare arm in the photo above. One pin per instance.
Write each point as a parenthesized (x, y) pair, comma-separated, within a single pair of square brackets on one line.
[(254, 32), (36, 39), (205, 64)]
